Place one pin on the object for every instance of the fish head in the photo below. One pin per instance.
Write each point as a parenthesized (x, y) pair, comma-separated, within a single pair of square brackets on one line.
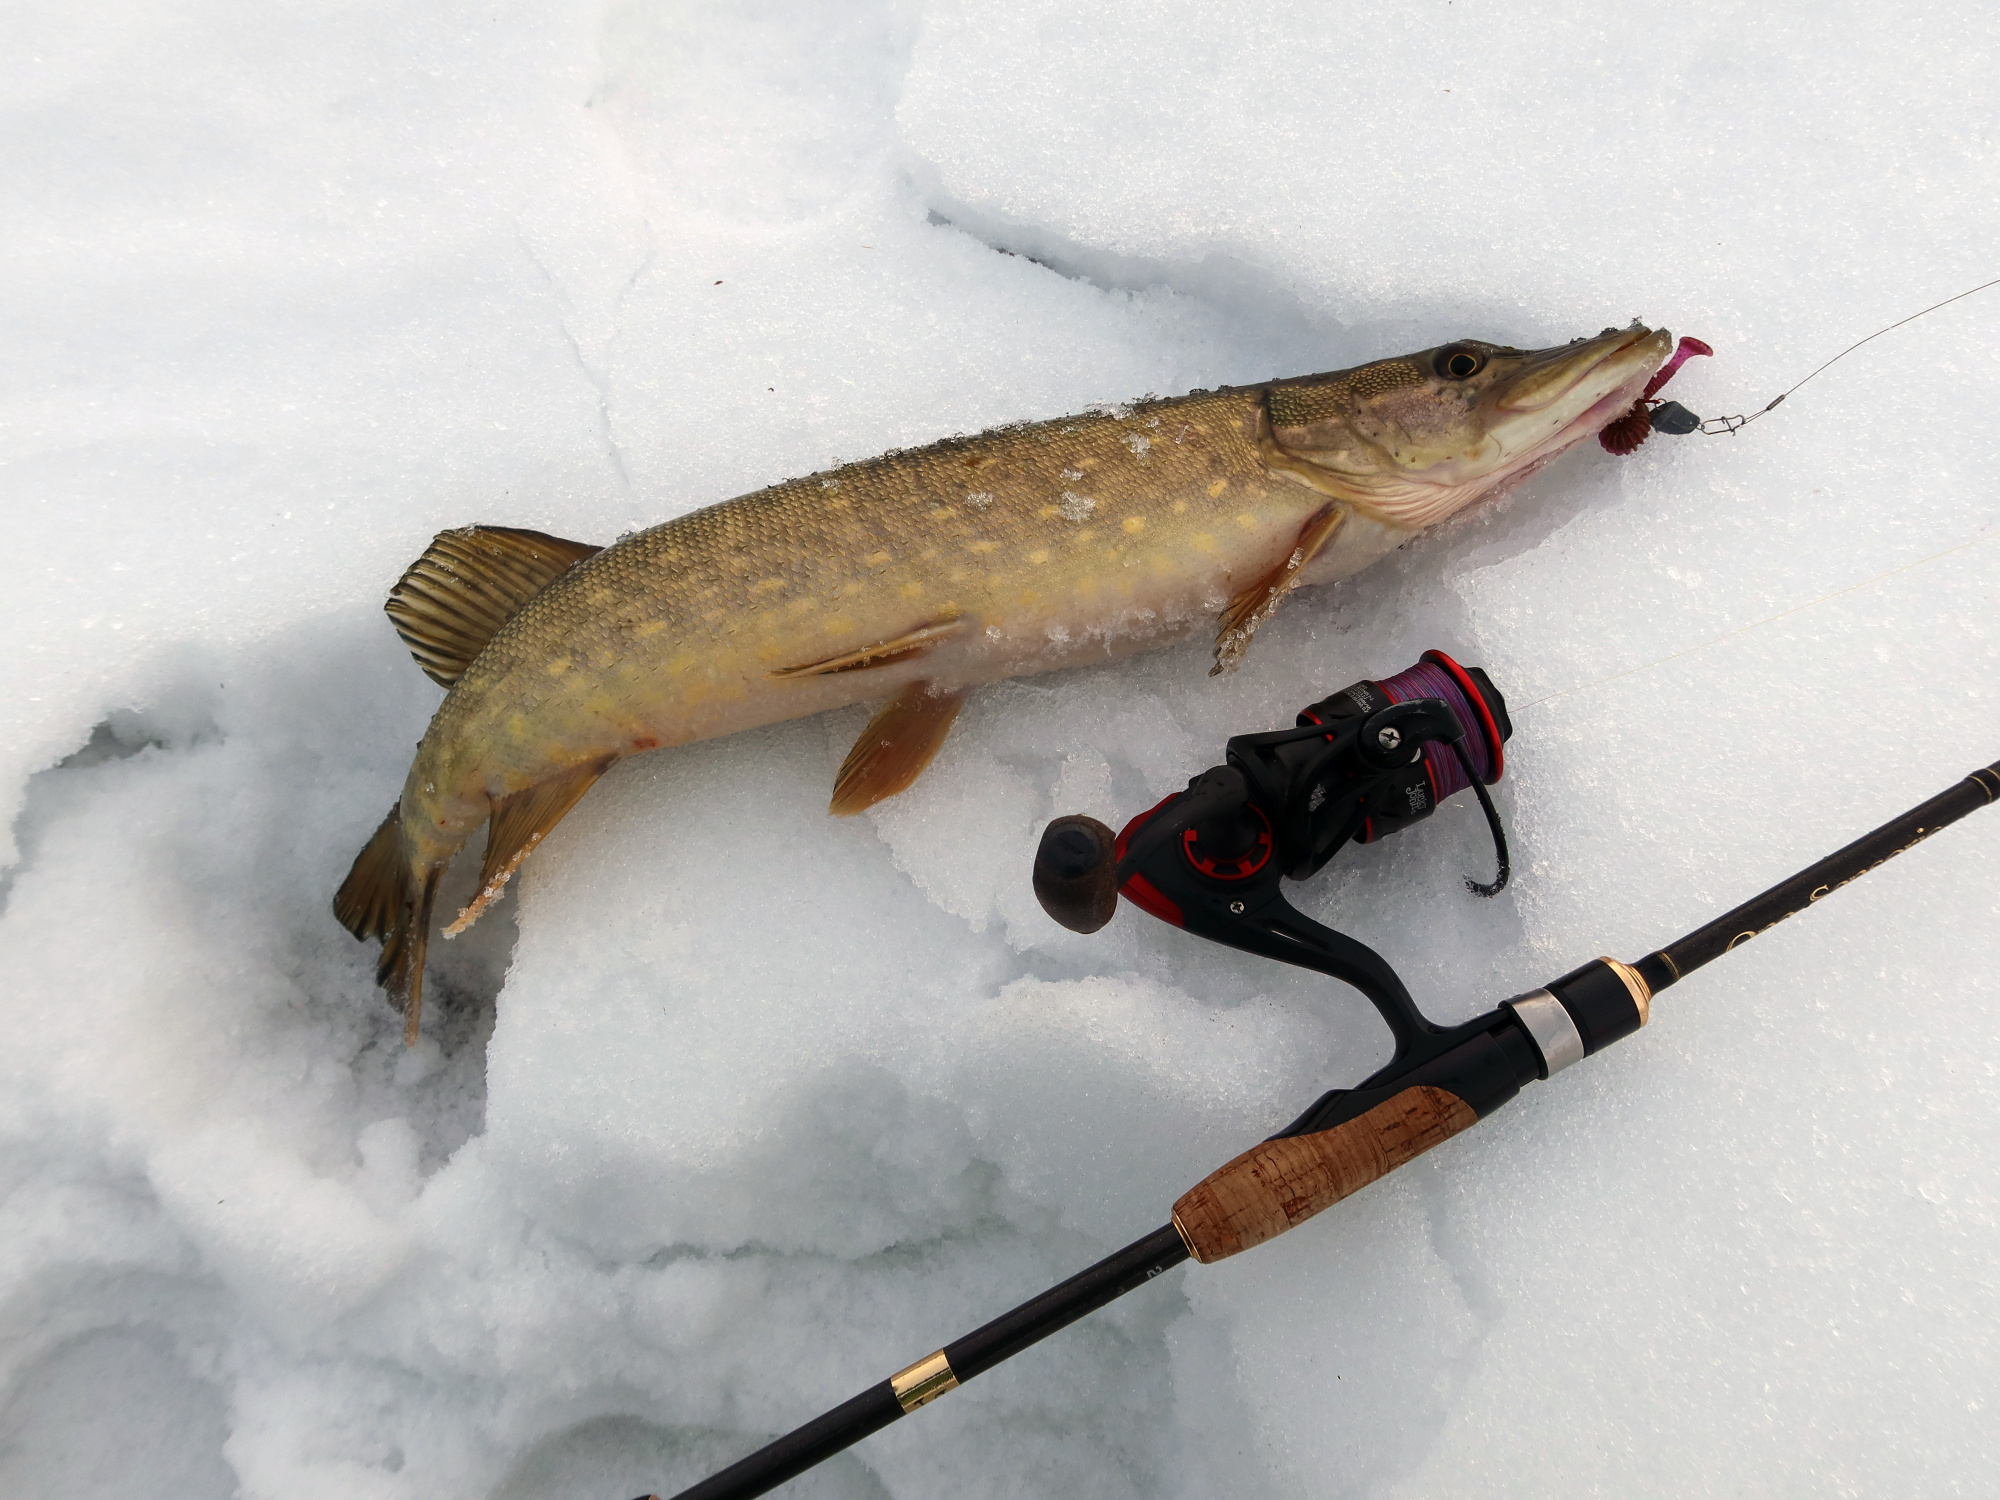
[(1418, 438)]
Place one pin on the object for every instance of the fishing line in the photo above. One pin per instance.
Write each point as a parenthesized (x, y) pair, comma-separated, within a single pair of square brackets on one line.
[(1448, 775), (1649, 414), (1734, 425), (1474, 760), (1972, 541)]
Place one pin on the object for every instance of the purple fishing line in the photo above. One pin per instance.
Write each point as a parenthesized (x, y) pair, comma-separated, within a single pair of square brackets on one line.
[(1428, 680)]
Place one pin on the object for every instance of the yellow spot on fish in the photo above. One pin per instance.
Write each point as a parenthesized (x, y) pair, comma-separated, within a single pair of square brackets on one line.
[(800, 606), (877, 559), (767, 585), (980, 546), (557, 667), (1202, 541), (650, 629), (854, 586), (1038, 556), (682, 662), (1180, 507), (1215, 490), (517, 727), (941, 514), (1049, 512), (1086, 586), (1133, 525), (1247, 521), (911, 590)]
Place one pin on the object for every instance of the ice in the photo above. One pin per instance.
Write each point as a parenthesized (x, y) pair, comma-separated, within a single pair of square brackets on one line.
[(730, 1109)]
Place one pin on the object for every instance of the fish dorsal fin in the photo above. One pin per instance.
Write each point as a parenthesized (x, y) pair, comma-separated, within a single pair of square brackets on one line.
[(910, 644), (895, 747), (518, 823), (1256, 604), (454, 598)]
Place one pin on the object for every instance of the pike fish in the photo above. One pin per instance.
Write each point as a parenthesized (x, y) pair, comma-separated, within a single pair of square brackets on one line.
[(912, 577)]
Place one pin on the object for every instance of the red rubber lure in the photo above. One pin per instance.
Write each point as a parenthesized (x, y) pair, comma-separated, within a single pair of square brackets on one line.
[(1632, 429)]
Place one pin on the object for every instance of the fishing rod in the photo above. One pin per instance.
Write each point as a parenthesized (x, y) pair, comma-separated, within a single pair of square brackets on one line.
[(1372, 759)]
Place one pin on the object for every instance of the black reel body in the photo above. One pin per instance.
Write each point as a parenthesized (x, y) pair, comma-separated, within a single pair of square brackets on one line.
[(1366, 762)]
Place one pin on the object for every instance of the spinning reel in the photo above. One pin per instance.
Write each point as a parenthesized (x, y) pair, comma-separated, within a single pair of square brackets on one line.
[(1371, 760)]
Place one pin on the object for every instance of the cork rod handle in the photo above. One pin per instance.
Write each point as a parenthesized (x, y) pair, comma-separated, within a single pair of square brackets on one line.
[(1282, 1183)]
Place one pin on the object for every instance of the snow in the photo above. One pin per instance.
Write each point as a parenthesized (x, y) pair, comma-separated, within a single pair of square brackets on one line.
[(733, 1109)]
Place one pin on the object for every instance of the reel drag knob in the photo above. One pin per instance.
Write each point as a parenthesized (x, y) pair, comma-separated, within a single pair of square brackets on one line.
[(1076, 872)]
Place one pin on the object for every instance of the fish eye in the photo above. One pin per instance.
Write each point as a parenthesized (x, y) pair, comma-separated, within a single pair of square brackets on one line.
[(1457, 363)]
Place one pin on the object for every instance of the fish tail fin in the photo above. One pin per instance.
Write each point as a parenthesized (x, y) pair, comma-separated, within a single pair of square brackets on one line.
[(386, 897)]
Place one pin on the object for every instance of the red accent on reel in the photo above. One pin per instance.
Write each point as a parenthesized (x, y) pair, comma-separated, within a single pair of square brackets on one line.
[(1142, 894), (1238, 867), (1140, 891)]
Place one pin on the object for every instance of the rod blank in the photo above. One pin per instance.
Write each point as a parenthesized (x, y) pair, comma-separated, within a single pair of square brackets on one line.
[(1760, 913), (975, 1354)]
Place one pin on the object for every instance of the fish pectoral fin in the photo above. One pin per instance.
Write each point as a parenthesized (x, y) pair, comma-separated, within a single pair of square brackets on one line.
[(451, 601), (895, 747), (910, 644), (1256, 604), (518, 823)]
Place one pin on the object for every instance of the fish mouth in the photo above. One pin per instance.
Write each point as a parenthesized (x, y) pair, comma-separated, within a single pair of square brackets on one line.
[(1606, 363), (1564, 395)]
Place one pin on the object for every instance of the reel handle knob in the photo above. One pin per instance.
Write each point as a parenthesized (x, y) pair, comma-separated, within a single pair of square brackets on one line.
[(1076, 873)]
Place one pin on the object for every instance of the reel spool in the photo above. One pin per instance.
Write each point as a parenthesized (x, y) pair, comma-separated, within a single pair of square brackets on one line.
[(1369, 761)]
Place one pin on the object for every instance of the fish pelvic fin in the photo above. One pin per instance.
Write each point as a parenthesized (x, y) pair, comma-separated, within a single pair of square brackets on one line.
[(905, 647), (1256, 604), (895, 747), (518, 823), (385, 897), (451, 601)]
